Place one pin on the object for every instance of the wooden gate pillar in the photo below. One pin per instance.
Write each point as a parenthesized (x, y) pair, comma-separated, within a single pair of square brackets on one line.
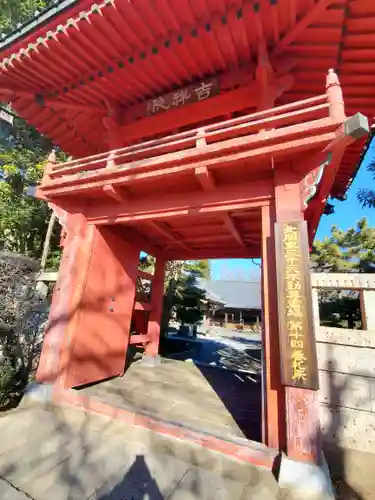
[(302, 410), (273, 417), (157, 296)]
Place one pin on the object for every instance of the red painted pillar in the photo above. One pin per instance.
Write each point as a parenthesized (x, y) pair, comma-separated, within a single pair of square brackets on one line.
[(273, 417), (157, 296), (302, 411)]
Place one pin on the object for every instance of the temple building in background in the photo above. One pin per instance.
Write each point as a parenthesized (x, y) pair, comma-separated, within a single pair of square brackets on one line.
[(232, 303)]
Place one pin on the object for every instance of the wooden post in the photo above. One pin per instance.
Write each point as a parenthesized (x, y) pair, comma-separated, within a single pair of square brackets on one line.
[(273, 417), (335, 97), (157, 299), (47, 241), (302, 413), (363, 309), (315, 300), (367, 301), (51, 162)]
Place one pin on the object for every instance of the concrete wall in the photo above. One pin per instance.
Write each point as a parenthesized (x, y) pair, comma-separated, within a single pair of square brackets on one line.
[(346, 360)]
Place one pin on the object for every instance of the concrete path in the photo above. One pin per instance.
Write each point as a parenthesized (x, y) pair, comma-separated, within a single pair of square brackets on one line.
[(60, 453)]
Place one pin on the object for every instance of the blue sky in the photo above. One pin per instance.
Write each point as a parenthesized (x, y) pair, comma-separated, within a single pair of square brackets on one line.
[(346, 215)]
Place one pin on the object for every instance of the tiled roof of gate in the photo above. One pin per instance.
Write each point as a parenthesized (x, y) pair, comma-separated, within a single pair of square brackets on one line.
[(234, 294), (366, 147), (312, 36)]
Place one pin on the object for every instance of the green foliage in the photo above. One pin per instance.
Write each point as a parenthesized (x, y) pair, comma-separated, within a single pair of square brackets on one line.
[(20, 339), (8, 375), (187, 296), (346, 251), (366, 196), (15, 12), (181, 294), (198, 268), (23, 220)]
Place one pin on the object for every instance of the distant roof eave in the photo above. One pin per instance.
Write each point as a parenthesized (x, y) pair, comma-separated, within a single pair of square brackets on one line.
[(366, 147)]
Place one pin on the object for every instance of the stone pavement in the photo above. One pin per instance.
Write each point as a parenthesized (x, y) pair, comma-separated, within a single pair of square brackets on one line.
[(218, 402), (60, 453)]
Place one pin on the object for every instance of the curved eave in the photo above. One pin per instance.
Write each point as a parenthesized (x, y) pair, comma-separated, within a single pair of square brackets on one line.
[(366, 147)]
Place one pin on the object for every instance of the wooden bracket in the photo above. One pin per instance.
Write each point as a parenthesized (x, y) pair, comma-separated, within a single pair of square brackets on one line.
[(205, 178), (116, 193), (234, 231)]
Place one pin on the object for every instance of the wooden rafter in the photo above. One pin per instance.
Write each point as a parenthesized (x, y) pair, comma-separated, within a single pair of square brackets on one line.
[(162, 229), (310, 16)]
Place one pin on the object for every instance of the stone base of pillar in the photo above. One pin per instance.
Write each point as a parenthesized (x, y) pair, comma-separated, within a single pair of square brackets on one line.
[(305, 480), (151, 361), (37, 393)]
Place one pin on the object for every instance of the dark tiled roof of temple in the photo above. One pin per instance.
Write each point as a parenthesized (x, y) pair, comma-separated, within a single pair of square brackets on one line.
[(234, 294)]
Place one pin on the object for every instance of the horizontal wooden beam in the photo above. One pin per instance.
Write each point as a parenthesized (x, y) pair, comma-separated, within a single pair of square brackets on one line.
[(139, 339), (343, 281), (163, 103), (144, 275), (245, 196), (131, 234), (216, 253), (220, 105), (260, 119), (48, 276), (142, 306), (215, 155)]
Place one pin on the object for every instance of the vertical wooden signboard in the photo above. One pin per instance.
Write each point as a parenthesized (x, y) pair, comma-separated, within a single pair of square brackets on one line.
[(296, 322)]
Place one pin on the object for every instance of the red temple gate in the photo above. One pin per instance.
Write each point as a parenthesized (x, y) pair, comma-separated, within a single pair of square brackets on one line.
[(202, 134)]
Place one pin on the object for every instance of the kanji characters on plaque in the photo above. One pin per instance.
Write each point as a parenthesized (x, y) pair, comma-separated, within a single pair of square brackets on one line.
[(294, 302), (186, 95)]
